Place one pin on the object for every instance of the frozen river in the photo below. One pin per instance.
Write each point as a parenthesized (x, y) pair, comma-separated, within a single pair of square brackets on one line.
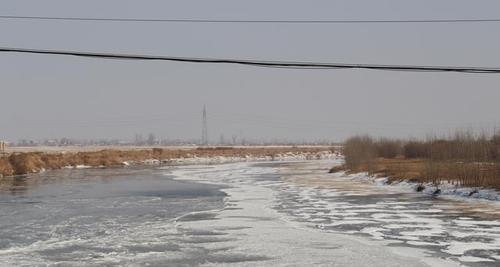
[(240, 214)]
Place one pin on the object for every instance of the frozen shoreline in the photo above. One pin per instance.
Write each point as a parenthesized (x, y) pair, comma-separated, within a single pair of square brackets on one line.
[(289, 156), (443, 189), (446, 189)]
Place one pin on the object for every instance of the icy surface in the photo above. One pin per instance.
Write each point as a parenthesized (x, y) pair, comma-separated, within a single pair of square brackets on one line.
[(98, 217), (457, 229), (260, 231)]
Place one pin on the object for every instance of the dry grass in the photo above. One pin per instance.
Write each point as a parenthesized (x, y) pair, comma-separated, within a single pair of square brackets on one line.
[(426, 171), (396, 169), (30, 162), (463, 159)]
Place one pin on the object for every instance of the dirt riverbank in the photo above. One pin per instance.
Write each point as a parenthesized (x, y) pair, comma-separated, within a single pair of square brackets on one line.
[(20, 163)]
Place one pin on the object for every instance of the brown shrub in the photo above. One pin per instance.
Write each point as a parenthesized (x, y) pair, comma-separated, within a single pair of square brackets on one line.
[(359, 150), (24, 163), (387, 148), (6, 168), (464, 158), (415, 149)]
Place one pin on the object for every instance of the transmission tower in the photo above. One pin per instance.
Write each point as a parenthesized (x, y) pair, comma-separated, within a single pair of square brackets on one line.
[(204, 130)]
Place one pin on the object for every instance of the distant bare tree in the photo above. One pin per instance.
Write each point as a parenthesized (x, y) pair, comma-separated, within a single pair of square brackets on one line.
[(138, 139), (151, 139)]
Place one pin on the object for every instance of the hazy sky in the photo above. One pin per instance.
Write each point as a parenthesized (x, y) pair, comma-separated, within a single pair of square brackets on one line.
[(56, 96)]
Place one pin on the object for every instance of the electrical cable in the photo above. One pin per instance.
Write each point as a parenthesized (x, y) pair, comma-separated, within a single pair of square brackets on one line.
[(261, 21), (258, 63)]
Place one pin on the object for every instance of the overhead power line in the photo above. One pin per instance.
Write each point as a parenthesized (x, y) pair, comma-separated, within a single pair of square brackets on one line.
[(257, 63), (251, 21)]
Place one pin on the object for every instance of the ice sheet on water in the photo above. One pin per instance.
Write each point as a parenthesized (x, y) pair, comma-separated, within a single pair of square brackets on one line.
[(419, 220), (270, 234)]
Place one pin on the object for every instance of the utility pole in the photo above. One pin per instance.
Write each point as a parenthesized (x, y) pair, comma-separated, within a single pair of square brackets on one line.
[(2, 147), (204, 130)]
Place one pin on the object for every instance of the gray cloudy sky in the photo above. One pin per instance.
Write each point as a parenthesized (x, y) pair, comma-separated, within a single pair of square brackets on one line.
[(56, 96)]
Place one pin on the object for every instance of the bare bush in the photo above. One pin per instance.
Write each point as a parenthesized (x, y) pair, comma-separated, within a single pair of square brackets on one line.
[(416, 149), (388, 148), (358, 150), (464, 158)]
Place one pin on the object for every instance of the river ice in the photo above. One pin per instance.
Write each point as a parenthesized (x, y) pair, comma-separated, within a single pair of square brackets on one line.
[(351, 214), (263, 229), (237, 214)]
